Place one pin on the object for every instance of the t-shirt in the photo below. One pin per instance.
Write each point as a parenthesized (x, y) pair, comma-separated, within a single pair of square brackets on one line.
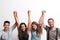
[(6, 36), (34, 36), (23, 35), (52, 34)]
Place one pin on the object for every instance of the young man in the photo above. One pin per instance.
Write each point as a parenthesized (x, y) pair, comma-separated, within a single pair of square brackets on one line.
[(6, 33), (53, 33)]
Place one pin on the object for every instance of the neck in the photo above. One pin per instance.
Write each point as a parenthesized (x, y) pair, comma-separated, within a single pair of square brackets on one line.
[(24, 30), (5, 30), (53, 28)]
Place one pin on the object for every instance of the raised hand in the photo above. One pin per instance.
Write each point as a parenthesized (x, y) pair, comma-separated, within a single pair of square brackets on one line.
[(15, 13), (29, 12), (29, 21), (16, 18), (43, 12)]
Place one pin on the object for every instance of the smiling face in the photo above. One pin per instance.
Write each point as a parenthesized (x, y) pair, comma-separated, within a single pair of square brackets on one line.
[(6, 25), (23, 27), (34, 25), (51, 23)]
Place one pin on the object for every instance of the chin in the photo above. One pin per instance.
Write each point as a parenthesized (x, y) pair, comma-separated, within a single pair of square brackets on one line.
[(6, 28), (51, 26)]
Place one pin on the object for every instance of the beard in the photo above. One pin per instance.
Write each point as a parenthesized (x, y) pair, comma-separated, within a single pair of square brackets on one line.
[(51, 26)]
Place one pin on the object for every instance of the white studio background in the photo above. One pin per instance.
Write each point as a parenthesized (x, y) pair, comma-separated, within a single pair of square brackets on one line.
[(7, 7)]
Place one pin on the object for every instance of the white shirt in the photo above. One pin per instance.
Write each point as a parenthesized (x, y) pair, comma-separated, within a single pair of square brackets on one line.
[(29, 35), (44, 34), (6, 36)]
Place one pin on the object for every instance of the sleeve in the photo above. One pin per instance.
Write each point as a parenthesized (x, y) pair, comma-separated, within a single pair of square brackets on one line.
[(59, 33), (47, 28), (11, 28)]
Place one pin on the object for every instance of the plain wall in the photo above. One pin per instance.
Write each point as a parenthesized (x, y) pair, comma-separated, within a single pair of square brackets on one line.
[(7, 7)]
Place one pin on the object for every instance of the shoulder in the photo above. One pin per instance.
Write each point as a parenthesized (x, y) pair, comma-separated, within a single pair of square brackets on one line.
[(47, 27), (58, 29), (11, 28), (1, 32)]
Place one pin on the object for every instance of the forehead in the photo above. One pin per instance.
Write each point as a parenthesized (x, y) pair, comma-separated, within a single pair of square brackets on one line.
[(22, 25), (50, 20), (33, 24), (6, 23)]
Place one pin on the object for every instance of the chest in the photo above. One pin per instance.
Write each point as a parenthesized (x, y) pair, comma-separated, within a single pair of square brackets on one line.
[(4, 35), (52, 33), (34, 35)]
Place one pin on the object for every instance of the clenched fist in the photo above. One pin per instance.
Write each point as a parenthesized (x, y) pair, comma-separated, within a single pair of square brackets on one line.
[(43, 12), (29, 11), (15, 13)]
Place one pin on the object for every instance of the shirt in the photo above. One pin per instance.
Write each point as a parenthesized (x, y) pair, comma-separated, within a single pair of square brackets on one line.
[(6, 36), (34, 36), (52, 34)]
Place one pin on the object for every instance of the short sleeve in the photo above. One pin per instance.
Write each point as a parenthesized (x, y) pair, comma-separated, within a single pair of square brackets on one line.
[(11, 28)]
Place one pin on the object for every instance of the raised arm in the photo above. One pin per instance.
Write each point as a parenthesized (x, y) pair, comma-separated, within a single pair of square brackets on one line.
[(41, 20), (14, 26), (29, 21), (16, 18)]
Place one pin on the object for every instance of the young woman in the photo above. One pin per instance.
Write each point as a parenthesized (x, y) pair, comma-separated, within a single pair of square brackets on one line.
[(34, 28), (22, 29)]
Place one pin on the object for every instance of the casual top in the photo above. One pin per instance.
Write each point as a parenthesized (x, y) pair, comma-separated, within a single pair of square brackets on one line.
[(52, 34), (43, 35), (34, 36), (23, 35), (6, 36)]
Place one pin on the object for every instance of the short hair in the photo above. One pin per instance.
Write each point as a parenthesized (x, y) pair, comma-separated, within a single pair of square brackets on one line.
[(51, 19), (6, 22)]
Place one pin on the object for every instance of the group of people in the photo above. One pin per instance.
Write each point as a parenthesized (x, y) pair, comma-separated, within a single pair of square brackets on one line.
[(32, 31)]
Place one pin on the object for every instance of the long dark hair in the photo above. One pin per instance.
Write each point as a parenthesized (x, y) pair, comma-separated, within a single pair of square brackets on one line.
[(38, 30), (22, 35), (19, 29)]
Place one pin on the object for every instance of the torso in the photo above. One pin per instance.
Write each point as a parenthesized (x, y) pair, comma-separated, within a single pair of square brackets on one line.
[(23, 36), (34, 36), (6, 35), (52, 35)]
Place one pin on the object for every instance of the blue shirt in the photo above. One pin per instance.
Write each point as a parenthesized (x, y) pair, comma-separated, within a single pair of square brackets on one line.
[(6, 36), (34, 36)]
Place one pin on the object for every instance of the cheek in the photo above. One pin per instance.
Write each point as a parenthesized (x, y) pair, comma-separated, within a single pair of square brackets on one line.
[(23, 27), (5, 26), (35, 27), (51, 24)]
